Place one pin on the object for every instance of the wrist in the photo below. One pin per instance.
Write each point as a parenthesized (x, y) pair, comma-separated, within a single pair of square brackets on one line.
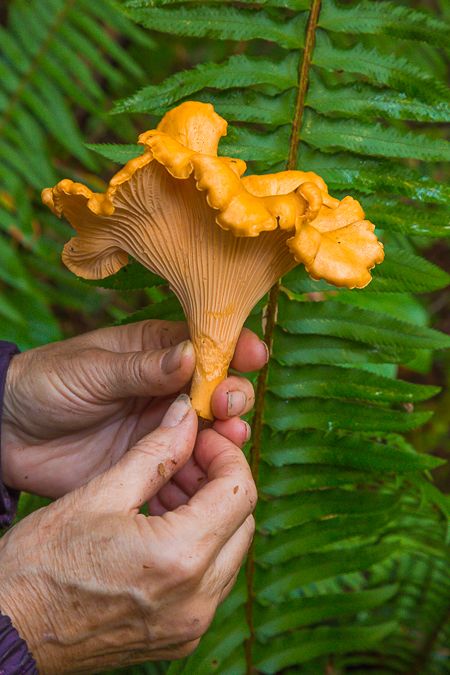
[(10, 608), (20, 602)]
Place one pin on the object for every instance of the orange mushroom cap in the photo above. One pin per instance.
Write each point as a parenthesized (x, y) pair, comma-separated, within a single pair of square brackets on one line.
[(330, 237)]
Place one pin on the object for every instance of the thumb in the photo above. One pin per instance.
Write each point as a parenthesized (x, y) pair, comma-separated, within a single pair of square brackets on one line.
[(142, 472), (158, 372)]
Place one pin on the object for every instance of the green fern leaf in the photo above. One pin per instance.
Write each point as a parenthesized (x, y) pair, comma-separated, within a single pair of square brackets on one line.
[(223, 23), (365, 101), (120, 154), (379, 68), (283, 583), (336, 449), (337, 382), (132, 277), (237, 71), (411, 219), (328, 415), (287, 4), (349, 172), (51, 56), (401, 271), (169, 309), (315, 609), (372, 139), (384, 18), (308, 644), (336, 318)]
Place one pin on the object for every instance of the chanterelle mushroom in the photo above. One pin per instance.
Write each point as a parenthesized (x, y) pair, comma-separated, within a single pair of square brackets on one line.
[(219, 239)]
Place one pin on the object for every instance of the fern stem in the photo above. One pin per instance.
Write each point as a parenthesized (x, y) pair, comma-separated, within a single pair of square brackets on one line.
[(255, 454), (271, 320), (28, 74), (303, 81)]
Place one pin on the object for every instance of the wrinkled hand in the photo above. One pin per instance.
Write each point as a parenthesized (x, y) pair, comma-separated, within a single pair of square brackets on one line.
[(100, 585), (73, 408)]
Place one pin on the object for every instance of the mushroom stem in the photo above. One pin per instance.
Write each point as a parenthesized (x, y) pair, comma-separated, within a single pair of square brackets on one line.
[(202, 390), (214, 341)]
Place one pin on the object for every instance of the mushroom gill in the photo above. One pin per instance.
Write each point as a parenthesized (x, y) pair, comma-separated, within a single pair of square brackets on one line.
[(220, 240)]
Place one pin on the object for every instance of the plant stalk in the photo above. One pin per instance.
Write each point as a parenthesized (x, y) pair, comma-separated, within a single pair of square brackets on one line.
[(271, 320)]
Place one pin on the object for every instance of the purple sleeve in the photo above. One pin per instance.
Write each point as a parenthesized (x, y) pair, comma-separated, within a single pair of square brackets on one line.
[(15, 658), (8, 497)]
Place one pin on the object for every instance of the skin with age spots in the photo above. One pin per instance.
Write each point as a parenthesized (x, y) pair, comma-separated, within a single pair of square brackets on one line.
[(99, 584), (73, 408)]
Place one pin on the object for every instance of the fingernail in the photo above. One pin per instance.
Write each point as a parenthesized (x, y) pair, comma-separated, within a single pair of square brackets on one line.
[(236, 402), (177, 411), (248, 430), (172, 359), (266, 350)]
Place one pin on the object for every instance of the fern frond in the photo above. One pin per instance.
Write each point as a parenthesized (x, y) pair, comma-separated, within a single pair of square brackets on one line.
[(384, 18), (347, 521), (366, 138), (223, 23), (384, 69), (365, 101), (237, 71), (51, 56), (343, 499)]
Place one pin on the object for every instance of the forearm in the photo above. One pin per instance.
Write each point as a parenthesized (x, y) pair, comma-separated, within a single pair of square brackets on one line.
[(19, 612)]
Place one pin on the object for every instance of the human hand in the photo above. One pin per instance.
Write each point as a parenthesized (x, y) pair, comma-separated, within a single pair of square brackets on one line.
[(91, 583), (73, 408)]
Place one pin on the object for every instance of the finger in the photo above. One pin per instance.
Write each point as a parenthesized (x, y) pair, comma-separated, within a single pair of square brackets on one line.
[(251, 353), (155, 507), (226, 499), (228, 588), (171, 496), (146, 373), (144, 469), (236, 430), (191, 476), (142, 335), (234, 396), (230, 559)]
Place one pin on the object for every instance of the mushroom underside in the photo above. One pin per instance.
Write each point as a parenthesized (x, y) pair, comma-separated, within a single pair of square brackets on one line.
[(167, 225)]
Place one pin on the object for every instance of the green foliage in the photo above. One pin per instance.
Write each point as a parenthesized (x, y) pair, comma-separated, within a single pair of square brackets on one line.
[(52, 56), (348, 526), (350, 555)]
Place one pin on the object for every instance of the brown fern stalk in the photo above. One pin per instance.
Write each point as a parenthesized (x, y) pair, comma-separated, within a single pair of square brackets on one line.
[(271, 320)]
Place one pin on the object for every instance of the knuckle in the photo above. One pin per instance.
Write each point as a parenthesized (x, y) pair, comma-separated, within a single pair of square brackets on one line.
[(138, 367), (197, 625), (187, 648), (252, 493), (150, 446), (162, 333), (187, 568)]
